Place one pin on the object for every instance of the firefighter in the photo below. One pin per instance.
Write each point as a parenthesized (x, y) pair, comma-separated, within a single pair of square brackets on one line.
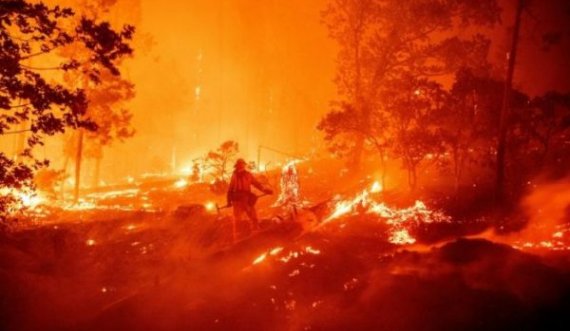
[(240, 196)]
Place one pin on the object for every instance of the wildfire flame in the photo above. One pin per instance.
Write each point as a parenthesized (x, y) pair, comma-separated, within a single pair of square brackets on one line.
[(376, 187), (289, 196), (401, 237), (25, 199), (558, 241), (260, 259), (276, 253), (398, 219), (210, 206), (181, 183)]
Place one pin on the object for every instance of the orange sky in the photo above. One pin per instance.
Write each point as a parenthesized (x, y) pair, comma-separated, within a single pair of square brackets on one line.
[(255, 72), (264, 71), (258, 72)]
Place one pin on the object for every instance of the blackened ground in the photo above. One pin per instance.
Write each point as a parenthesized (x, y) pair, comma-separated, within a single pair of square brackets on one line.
[(174, 267), (171, 274)]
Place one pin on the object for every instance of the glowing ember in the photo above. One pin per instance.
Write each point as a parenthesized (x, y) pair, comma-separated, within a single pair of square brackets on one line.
[(351, 284), (275, 251), (131, 227), (181, 183), (401, 237), (311, 250), (294, 273), (291, 255), (555, 241), (210, 206), (260, 259), (290, 304), (546, 244), (90, 242), (146, 205), (376, 187)]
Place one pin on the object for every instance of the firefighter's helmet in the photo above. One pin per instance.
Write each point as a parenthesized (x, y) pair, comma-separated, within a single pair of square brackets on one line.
[(240, 163)]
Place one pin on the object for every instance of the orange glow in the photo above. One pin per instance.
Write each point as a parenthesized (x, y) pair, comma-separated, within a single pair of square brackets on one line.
[(260, 258), (131, 227), (275, 251), (394, 178), (210, 206), (401, 237), (376, 187), (181, 183), (311, 250), (398, 219)]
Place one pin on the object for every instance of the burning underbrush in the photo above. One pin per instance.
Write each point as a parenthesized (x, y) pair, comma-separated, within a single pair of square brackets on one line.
[(162, 257)]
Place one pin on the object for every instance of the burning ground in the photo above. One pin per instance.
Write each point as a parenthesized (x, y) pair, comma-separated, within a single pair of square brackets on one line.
[(363, 259)]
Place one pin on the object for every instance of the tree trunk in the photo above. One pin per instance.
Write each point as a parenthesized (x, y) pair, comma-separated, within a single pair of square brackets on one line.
[(20, 144), (358, 151), (414, 178), (456, 167), (411, 169), (503, 125), (79, 151), (78, 159), (97, 173), (356, 160), (384, 170), (544, 155), (62, 186)]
